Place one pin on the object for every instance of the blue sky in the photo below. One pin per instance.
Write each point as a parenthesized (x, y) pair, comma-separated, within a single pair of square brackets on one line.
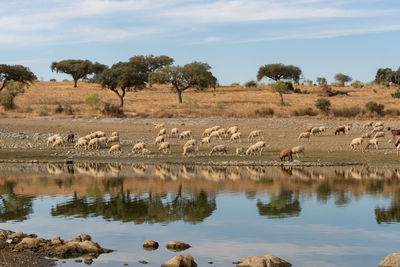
[(235, 37)]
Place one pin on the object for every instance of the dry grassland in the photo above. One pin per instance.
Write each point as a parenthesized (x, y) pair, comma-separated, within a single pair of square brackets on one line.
[(162, 102)]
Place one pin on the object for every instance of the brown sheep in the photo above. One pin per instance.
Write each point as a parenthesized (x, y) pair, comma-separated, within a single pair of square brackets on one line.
[(341, 129), (70, 138), (394, 132), (287, 153)]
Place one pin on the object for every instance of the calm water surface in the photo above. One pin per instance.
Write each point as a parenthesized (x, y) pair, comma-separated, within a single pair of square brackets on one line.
[(309, 217)]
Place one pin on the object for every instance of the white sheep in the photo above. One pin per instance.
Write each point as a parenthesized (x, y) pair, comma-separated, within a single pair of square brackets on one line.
[(100, 134), (159, 139), (185, 134), (53, 138), (165, 147), (191, 142), (162, 132), (305, 135), (215, 134), (111, 139), (378, 124), (233, 130), (298, 150), (366, 135), (223, 132), (145, 151), (115, 148), (206, 140), (254, 134), (219, 149), (188, 150), (174, 131), (81, 143), (356, 142), (379, 134), (259, 146), (235, 136), (322, 129), (114, 134), (94, 143), (58, 142), (315, 131), (138, 146), (378, 129), (216, 128), (158, 125), (372, 142), (207, 132)]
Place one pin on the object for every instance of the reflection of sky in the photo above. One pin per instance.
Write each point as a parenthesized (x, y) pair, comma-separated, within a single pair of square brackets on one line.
[(324, 234)]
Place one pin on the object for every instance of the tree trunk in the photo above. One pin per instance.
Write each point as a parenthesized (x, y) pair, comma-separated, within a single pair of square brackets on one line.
[(281, 95), (121, 97), (75, 83), (180, 96)]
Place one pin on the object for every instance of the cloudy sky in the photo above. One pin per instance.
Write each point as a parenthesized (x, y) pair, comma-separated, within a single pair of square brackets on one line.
[(235, 37)]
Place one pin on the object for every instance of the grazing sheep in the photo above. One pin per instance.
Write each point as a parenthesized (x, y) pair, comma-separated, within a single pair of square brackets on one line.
[(322, 129), (207, 132), (378, 129), (298, 150), (158, 125), (53, 138), (356, 142), (305, 135), (379, 134), (93, 143), (394, 132), (58, 142), (235, 136), (216, 128), (379, 123), (308, 129), (219, 149), (185, 134), (114, 134), (162, 132), (372, 142), (103, 140), (174, 131), (347, 129), (259, 146), (70, 138), (315, 131), (366, 135), (115, 148), (100, 134), (188, 150), (340, 129), (165, 147), (112, 139), (159, 139), (222, 132), (81, 143), (206, 140), (215, 134), (191, 142), (287, 153), (239, 151), (145, 151), (233, 130), (138, 146), (254, 134)]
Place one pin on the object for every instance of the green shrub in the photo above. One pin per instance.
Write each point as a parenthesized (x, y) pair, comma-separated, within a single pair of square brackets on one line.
[(323, 105), (375, 107), (251, 84), (308, 82), (112, 110), (321, 81), (336, 84), (396, 94), (304, 112), (357, 84), (93, 100), (68, 109), (235, 84), (42, 110), (264, 112), (219, 105), (347, 112), (393, 112), (53, 80), (59, 108)]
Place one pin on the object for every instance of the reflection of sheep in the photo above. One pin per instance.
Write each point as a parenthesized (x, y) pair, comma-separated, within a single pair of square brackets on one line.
[(115, 148), (254, 134), (298, 150), (206, 140), (159, 139), (287, 153), (174, 131), (235, 136), (189, 149), (356, 142), (164, 147), (305, 135), (138, 146), (185, 134), (372, 142), (219, 149), (162, 132)]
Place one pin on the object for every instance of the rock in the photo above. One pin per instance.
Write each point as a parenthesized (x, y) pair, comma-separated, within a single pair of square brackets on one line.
[(27, 242), (267, 260), (180, 261), (391, 260), (56, 241), (143, 262), (150, 245), (177, 245), (88, 261)]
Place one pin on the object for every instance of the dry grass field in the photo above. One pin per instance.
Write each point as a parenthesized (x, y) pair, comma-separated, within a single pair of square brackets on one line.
[(224, 102)]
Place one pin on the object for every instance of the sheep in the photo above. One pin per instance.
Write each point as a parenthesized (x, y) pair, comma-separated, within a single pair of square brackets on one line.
[(174, 131), (58, 142), (145, 151), (298, 150), (112, 139), (394, 132), (305, 135), (94, 143), (347, 129), (378, 129), (207, 132), (70, 138), (81, 143), (206, 140), (254, 134), (215, 134), (188, 149), (138, 146), (379, 134), (100, 134), (216, 128), (219, 148), (235, 136), (185, 134), (191, 142), (104, 140), (259, 146), (159, 139), (162, 132), (115, 134), (366, 135), (356, 142), (51, 139), (315, 131), (165, 147), (239, 151), (287, 153), (379, 123), (308, 129), (158, 125), (373, 142), (251, 150), (322, 129), (233, 130), (222, 132), (114, 148), (340, 129)]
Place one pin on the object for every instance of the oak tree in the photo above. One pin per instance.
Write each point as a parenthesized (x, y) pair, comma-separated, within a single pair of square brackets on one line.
[(17, 73)]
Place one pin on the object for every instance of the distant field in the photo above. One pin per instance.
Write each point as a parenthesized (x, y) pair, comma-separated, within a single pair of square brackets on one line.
[(224, 102)]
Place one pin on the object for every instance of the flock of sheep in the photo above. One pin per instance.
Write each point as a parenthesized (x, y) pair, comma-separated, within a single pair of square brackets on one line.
[(98, 140)]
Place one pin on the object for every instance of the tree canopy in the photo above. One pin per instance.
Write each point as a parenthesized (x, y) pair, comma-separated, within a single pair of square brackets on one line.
[(17, 73), (123, 75), (279, 71), (384, 76), (77, 68), (342, 78), (150, 62), (192, 75)]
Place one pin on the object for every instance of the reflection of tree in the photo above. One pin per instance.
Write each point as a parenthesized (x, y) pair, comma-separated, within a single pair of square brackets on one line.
[(283, 205), (323, 192), (191, 208), (392, 214), (13, 207)]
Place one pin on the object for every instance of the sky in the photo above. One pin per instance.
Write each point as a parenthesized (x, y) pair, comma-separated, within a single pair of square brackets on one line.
[(235, 37)]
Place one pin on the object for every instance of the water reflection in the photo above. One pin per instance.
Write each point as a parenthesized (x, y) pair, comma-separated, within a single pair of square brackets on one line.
[(284, 204), (12, 206), (391, 214)]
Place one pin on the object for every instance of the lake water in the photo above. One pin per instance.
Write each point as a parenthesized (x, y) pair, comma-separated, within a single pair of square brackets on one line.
[(307, 216)]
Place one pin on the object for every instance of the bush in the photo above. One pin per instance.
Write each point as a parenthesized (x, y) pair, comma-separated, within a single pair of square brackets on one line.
[(393, 112), (375, 107), (321, 81), (42, 110), (323, 105), (304, 112), (53, 80), (112, 110), (251, 84), (235, 84), (93, 100), (336, 84), (68, 109), (264, 112), (219, 105), (346, 112), (396, 94), (59, 108), (357, 84), (308, 82)]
